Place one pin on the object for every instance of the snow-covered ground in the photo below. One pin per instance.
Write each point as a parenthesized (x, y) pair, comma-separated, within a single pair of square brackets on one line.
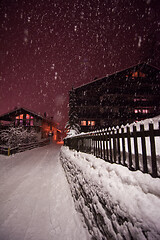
[(131, 200), (35, 199)]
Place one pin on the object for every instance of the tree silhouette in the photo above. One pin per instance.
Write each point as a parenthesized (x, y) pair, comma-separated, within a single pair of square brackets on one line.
[(73, 116)]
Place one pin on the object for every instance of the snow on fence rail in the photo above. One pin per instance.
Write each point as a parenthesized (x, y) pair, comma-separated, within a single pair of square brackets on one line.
[(131, 146), (22, 147)]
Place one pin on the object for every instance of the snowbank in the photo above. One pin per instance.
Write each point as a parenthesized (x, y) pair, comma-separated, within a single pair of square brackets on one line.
[(115, 202)]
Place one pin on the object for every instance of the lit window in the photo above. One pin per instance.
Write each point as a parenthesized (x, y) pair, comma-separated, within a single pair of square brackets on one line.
[(17, 117), (92, 123), (141, 74), (89, 123), (16, 123), (31, 117), (27, 116), (31, 123), (135, 74), (83, 123), (138, 74), (21, 116), (137, 110), (145, 111), (139, 99), (136, 99), (27, 122), (21, 122)]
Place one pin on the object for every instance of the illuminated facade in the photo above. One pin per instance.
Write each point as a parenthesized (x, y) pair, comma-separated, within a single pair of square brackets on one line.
[(124, 97), (30, 120)]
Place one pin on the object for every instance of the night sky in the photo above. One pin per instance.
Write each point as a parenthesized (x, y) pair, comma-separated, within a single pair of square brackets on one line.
[(48, 47)]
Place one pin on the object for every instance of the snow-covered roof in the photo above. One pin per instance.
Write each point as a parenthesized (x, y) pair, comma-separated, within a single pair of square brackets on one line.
[(17, 110), (7, 116)]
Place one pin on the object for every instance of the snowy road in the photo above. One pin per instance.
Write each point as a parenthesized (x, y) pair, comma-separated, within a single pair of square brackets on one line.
[(35, 200)]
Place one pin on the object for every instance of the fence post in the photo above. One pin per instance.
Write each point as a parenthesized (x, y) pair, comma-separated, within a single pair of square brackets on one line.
[(144, 155), (123, 147), (114, 145), (9, 151), (94, 146), (104, 150), (118, 147), (101, 139), (107, 137), (98, 138), (136, 147), (153, 151), (129, 148), (110, 146)]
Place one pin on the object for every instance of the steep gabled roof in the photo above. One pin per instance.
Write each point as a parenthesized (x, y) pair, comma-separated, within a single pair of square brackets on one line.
[(134, 67), (9, 116)]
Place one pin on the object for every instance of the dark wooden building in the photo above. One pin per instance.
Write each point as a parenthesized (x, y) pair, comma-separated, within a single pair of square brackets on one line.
[(123, 97), (30, 120)]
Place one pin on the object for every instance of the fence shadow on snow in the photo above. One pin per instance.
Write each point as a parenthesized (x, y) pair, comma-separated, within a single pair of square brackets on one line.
[(129, 146)]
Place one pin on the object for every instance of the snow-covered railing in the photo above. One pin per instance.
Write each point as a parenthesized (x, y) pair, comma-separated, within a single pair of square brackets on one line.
[(136, 146), (22, 147)]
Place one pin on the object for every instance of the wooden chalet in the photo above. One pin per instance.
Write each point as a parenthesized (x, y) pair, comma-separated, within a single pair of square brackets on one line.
[(123, 97), (30, 120)]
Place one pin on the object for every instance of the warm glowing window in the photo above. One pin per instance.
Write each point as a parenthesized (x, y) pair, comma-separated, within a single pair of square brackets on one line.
[(145, 111), (21, 116), (17, 117), (139, 99), (135, 74), (141, 74), (27, 116), (136, 99), (137, 110), (16, 123), (31, 123), (83, 123), (138, 74), (91, 123), (27, 122)]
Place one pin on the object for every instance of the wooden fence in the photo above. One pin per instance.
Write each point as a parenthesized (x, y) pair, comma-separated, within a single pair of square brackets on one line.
[(22, 147), (128, 146)]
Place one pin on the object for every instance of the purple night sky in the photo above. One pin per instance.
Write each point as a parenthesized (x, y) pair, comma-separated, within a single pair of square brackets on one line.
[(49, 46)]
